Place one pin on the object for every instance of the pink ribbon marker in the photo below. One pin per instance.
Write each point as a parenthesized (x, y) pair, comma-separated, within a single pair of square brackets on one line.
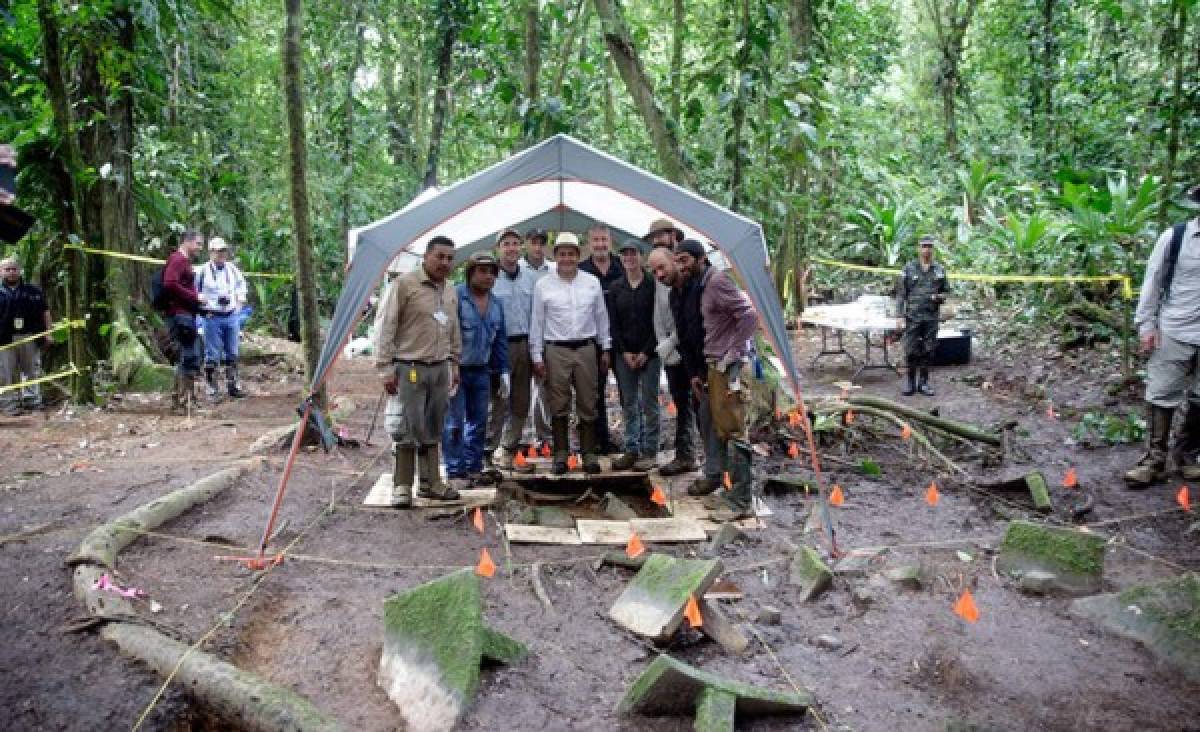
[(104, 583)]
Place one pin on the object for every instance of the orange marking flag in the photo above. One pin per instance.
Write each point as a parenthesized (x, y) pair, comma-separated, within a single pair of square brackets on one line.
[(794, 419), (965, 607), (486, 567), (793, 450), (1183, 499), (691, 611), (931, 494), (671, 410), (728, 482), (906, 432), (849, 416), (634, 548), (836, 498), (1070, 480), (532, 453), (572, 463), (520, 461), (657, 496), (545, 449), (477, 520)]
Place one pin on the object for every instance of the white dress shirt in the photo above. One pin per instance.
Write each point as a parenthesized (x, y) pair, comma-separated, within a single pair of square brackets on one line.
[(567, 310)]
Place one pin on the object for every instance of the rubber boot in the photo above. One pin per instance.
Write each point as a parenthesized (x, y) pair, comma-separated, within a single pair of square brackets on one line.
[(178, 402), (560, 432), (1188, 451), (704, 486), (231, 381), (739, 499), (924, 386), (432, 486), (402, 475), (210, 380), (587, 446), (183, 399), (910, 386), (1152, 468)]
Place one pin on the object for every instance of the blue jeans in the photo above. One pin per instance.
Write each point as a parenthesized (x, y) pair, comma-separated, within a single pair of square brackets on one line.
[(639, 405), (465, 432), (221, 339), (183, 333)]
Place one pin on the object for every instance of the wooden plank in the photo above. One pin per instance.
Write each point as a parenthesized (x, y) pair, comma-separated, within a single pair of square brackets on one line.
[(603, 532), (527, 534), (668, 529), (379, 494)]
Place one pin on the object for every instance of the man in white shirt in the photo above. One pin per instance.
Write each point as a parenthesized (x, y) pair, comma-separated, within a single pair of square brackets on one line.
[(568, 323), (224, 290), (535, 260)]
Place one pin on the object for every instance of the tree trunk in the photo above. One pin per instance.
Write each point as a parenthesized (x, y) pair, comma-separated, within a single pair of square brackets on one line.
[(950, 23), (82, 387), (663, 130), (347, 141), (1178, 50), (802, 26), (738, 108), (293, 96), (533, 52), (448, 18), (676, 88)]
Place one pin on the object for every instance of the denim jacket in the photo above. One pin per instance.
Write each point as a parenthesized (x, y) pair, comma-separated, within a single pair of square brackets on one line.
[(483, 337)]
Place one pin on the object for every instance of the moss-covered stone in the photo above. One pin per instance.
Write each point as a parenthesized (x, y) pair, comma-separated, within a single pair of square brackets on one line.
[(716, 710), (809, 573), (152, 378), (668, 686), (1165, 616), (1076, 558), (1038, 492), (133, 368), (434, 643), (653, 603)]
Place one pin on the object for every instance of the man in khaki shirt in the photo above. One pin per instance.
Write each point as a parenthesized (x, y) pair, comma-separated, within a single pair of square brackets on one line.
[(417, 351)]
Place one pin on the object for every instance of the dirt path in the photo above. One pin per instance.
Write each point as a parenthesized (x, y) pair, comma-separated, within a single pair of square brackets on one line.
[(904, 660)]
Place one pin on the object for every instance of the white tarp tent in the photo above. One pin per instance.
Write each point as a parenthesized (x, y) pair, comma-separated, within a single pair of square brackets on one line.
[(560, 184)]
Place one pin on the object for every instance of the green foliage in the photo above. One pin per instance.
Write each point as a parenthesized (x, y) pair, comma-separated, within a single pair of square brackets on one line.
[(1113, 429)]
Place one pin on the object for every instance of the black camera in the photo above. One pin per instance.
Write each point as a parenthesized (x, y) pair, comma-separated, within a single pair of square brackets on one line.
[(223, 300)]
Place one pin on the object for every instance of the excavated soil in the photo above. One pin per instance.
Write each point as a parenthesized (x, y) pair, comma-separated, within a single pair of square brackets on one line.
[(902, 659)]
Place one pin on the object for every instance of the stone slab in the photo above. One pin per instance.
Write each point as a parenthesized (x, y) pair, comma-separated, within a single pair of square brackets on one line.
[(859, 562), (653, 602), (808, 572), (670, 687), (666, 530), (1074, 557), (1164, 616), (717, 626)]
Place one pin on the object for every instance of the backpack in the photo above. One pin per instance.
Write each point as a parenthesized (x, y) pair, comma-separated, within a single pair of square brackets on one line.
[(1171, 258), (158, 294)]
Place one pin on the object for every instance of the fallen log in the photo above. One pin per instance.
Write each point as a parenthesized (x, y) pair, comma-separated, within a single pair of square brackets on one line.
[(961, 429)]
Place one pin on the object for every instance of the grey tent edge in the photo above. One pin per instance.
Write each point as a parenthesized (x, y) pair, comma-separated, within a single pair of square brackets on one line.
[(565, 179)]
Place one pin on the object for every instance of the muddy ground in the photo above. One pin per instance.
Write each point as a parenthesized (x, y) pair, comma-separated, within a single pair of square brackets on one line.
[(905, 661)]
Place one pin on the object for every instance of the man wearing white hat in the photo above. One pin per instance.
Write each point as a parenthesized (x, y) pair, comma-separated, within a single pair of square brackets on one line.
[(568, 323), (224, 290)]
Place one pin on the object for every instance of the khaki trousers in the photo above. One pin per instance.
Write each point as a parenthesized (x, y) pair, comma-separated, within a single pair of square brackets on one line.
[(19, 364), (567, 368), (728, 411), (507, 417), (1172, 373), (417, 412)]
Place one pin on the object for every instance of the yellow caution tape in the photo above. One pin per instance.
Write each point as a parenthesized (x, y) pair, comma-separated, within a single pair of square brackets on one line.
[(52, 377), (152, 260), (1126, 284), (63, 325)]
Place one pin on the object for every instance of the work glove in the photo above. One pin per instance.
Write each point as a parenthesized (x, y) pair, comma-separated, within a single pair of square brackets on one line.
[(666, 347), (505, 386)]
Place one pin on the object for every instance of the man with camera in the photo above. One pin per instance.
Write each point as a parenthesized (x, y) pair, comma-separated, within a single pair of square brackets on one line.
[(224, 287)]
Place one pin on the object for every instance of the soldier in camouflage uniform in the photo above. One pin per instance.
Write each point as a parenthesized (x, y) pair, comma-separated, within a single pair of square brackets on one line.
[(920, 292)]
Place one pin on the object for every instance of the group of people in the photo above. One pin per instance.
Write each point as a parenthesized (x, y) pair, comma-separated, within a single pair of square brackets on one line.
[(202, 309), (524, 334)]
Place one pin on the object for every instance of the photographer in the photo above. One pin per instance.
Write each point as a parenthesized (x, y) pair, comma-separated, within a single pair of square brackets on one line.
[(224, 290)]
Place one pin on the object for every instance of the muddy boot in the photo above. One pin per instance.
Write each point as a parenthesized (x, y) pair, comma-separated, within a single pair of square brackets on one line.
[(562, 444), (210, 380), (183, 399), (231, 381), (1188, 451), (741, 476), (402, 476), (432, 485), (587, 446), (704, 486), (678, 466), (923, 386), (1152, 468), (910, 386), (626, 461), (178, 406)]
